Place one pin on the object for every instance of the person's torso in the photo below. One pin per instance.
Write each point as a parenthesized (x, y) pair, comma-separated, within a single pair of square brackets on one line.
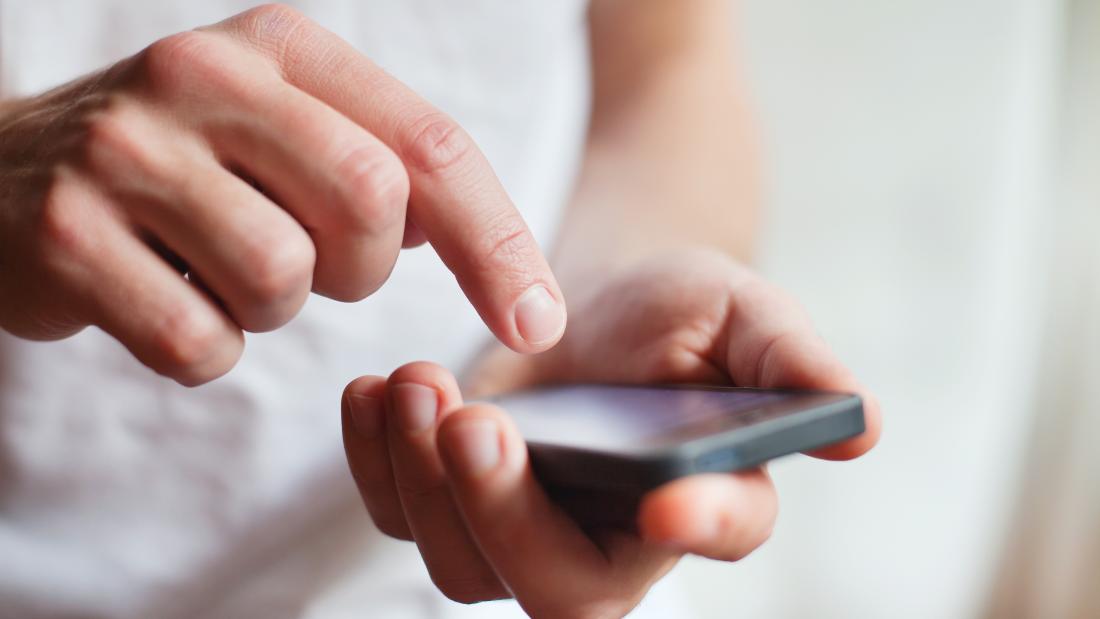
[(124, 494)]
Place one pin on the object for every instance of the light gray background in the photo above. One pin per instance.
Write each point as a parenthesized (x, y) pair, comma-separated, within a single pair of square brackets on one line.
[(929, 199)]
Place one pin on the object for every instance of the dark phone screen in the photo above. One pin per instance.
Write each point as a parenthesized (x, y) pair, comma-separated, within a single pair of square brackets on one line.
[(609, 417)]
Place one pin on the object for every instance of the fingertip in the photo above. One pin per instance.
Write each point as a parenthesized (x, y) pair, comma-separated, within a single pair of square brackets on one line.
[(804, 361), (365, 385), (424, 372), (431, 375), (478, 441), (361, 407), (470, 443), (540, 318), (414, 236), (676, 517), (471, 412), (719, 516)]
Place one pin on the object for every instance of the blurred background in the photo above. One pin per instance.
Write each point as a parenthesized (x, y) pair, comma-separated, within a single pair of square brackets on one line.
[(943, 158)]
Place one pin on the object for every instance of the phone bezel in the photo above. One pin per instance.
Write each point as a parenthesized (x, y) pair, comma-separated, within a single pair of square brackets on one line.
[(804, 420)]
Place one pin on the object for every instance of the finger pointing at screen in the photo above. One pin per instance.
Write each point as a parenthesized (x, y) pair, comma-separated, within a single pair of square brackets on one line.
[(264, 157)]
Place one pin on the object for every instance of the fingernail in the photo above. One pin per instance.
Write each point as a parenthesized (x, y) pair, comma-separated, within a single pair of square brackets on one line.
[(366, 414), (475, 445), (416, 406), (539, 317)]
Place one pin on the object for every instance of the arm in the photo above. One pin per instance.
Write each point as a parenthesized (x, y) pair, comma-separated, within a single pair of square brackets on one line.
[(670, 159)]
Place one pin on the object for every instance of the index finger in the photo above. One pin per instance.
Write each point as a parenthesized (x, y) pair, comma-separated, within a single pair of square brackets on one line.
[(456, 199)]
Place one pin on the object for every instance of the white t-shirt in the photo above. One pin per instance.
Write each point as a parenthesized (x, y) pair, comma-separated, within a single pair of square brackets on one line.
[(910, 147), (123, 494)]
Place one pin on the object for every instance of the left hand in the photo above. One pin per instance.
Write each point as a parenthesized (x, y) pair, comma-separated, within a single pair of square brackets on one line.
[(457, 480)]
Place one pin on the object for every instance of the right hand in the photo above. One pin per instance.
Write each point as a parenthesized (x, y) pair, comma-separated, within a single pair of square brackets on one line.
[(263, 157)]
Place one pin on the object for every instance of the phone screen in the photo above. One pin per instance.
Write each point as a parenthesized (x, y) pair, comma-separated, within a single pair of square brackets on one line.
[(613, 417)]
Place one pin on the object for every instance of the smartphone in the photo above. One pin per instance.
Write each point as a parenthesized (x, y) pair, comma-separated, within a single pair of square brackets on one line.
[(598, 448)]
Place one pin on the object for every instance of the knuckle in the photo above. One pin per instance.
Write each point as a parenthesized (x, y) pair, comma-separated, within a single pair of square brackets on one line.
[(437, 145), (114, 140), (271, 27), (765, 371), (378, 187), (185, 341), (506, 244), (274, 20), (171, 66), (63, 227), (353, 290), (671, 360), (278, 268), (352, 287)]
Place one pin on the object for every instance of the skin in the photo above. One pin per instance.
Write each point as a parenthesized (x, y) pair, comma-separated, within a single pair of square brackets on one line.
[(264, 158), (658, 295), (480, 532)]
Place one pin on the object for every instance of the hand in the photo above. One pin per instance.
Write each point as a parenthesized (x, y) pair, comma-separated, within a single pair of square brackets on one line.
[(457, 480), (262, 157), (686, 316)]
